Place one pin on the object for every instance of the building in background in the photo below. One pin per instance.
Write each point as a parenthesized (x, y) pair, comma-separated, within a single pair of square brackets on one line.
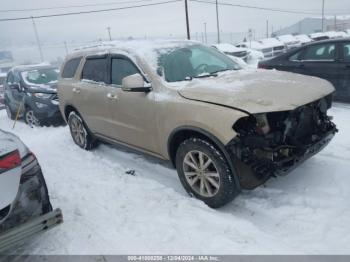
[(314, 25)]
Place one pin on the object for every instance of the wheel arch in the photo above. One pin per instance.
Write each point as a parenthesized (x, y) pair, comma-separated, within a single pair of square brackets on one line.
[(182, 133)]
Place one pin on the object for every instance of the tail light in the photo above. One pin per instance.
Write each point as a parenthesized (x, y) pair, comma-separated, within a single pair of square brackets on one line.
[(10, 161), (30, 167), (262, 66)]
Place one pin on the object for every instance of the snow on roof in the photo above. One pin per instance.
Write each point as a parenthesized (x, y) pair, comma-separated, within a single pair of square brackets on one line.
[(225, 47), (30, 66), (254, 45), (336, 34), (287, 39), (303, 38), (271, 42), (319, 34), (145, 49)]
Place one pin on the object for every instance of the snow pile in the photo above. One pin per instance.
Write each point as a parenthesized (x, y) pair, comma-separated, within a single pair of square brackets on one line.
[(228, 48), (107, 211)]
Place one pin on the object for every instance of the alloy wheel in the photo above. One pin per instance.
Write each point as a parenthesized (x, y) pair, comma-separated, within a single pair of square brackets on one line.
[(201, 173), (31, 119), (78, 131)]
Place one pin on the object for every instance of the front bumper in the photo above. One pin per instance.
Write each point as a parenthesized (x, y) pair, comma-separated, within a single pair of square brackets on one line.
[(254, 170)]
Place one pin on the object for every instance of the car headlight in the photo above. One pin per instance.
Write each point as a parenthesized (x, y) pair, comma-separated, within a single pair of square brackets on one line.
[(42, 95), (40, 105)]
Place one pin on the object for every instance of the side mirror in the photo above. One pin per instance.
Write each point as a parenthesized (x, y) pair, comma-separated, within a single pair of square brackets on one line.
[(134, 83), (14, 86)]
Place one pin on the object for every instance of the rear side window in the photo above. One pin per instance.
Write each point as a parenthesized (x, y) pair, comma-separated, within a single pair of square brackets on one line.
[(121, 68), (346, 52), (71, 67), (95, 69), (320, 52)]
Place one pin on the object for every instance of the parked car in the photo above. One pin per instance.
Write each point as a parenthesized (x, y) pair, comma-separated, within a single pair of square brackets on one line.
[(336, 34), (25, 208), (232, 50), (277, 46), (222, 128), (256, 46), (319, 36), (33, 90), (303, 39), (249, 56), (328, 59), (2, 80), (289, 41)]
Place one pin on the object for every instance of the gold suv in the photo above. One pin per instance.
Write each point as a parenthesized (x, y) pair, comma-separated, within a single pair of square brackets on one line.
[(223, 128)]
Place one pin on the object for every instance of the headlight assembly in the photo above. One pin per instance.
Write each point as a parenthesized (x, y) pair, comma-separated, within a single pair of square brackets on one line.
[(40, 105), (42, 95)]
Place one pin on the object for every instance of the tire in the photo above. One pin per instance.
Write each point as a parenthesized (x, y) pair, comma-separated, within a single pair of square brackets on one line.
[(80, 133), (213, 181), (9, 112), (30, 118)]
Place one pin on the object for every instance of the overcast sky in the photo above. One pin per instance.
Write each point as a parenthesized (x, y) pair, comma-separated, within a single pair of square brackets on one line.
[(151, 21)]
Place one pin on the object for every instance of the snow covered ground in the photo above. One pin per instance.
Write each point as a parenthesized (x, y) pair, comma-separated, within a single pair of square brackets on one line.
[(107, 211)]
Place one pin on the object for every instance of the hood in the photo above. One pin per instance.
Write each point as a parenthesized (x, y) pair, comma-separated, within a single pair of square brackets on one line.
[(50, 88), (257, 91)]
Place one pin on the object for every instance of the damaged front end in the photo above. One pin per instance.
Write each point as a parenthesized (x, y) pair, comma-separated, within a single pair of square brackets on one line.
[(275, 143)]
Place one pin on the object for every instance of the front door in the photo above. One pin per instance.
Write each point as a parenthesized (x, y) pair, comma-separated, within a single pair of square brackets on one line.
[(90, 94), (132, 114), (343, 88)]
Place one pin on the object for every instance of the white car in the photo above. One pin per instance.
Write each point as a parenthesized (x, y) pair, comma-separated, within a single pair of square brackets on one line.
[(250, 56), (258, 50), (303, 39), (277, 46), (25, 207), (289, 41), (319, 36), (232, 50)]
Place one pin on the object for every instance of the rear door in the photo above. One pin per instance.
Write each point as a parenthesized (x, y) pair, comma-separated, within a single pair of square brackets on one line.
[(343, 88), (90, 93)]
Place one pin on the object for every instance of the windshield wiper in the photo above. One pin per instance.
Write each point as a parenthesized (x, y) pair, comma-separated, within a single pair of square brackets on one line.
[(206, 75)]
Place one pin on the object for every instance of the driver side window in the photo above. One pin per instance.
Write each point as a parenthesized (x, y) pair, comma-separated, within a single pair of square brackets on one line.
[(122, 67)]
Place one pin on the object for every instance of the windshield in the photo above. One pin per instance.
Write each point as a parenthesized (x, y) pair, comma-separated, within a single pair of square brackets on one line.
[(193, 62), (40, 76)]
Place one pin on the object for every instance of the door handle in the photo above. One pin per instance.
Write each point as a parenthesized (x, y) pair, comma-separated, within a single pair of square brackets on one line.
[(347, 66), (111, 96), (301, 66), (76, 90)]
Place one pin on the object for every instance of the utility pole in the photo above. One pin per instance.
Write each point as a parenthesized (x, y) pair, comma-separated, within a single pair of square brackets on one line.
[(66, 47), (322, 15), (109, 33), (205, 33), (217, 20), (267, 28), (187, 21), (38, 41)]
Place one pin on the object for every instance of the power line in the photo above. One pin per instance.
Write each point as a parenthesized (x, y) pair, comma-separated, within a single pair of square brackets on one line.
[(256, 7), (72, 6), (89, 12)]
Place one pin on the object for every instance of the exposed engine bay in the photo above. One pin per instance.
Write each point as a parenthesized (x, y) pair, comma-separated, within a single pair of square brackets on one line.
[(275, 143)]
